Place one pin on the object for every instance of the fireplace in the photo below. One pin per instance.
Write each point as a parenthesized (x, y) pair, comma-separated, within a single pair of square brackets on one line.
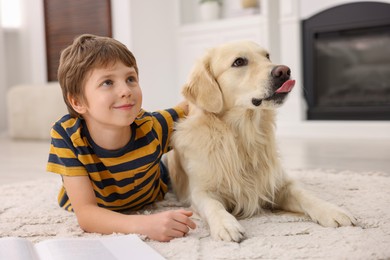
[(346, 62)]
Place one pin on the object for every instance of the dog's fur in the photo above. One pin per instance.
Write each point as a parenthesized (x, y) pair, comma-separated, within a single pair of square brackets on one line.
[(225, 161)]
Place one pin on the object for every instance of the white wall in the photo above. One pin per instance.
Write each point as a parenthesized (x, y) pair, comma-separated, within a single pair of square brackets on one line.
[(121, 22), (153, 44), (3, 85), (23, 53), (148, 29)]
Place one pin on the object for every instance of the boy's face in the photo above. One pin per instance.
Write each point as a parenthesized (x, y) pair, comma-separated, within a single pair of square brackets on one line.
[(113, 96)]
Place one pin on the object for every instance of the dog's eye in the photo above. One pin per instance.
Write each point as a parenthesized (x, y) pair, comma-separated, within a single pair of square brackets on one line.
[(267, 56), (239, 62)]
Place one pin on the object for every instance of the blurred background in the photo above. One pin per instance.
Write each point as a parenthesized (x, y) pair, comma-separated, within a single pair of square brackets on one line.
[(167, 37), (337, 116)]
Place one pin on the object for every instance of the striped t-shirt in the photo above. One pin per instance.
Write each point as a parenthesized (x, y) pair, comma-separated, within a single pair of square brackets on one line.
[(128, 178)]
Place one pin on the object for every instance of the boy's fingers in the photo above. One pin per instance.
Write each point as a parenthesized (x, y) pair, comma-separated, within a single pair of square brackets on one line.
[(191, 224), (186, 212), (176, 233), (185, 219)]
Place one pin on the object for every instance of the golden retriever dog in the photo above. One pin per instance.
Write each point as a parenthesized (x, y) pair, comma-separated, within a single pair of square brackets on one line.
[(225, 161)]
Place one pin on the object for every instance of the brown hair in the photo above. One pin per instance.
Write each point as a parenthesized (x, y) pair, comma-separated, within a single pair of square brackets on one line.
[(85, 53)]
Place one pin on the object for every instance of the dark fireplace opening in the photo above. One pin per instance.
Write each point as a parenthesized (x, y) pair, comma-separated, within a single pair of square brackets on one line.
[(346, 62)]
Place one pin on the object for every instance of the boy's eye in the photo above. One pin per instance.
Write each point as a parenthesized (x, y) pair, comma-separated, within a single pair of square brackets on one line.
[(131, 79), (107, 83)]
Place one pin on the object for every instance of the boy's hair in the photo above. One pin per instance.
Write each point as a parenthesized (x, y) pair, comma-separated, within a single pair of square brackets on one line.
[(88, 52)]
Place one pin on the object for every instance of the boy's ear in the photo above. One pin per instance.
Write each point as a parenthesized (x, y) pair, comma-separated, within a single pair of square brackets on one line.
[(77, 105)]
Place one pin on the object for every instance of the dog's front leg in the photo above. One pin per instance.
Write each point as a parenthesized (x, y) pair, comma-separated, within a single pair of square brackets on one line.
[(294, 198), (223, 225)]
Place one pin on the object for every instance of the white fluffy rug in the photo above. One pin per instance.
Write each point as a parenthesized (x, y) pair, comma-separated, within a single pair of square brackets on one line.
[(29, 210)]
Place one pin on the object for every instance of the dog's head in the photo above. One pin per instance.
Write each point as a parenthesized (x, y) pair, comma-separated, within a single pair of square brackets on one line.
[(237, 74)]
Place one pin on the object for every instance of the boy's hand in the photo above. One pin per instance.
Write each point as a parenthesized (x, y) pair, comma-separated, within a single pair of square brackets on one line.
[(184, 105), (167, 225)]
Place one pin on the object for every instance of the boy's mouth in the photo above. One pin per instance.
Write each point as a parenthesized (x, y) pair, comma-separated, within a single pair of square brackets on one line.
[(124, 106)]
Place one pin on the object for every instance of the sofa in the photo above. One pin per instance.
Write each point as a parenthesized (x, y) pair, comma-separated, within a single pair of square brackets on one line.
[(32, 109)]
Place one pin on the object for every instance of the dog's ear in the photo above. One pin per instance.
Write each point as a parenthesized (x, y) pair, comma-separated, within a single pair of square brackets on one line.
[(202, 88)]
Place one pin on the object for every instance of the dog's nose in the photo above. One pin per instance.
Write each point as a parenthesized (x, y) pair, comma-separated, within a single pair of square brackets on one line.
[(281, 71)]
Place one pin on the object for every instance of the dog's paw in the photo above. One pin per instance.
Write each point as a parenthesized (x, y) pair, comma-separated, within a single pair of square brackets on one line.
[(227, 228), (332, 216)]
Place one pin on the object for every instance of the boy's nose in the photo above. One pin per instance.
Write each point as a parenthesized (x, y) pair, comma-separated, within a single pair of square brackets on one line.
[(125, 90)]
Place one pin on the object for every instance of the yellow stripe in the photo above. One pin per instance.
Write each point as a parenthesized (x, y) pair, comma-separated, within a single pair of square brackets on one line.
[(59, 198), (119, 203), (88, 158), (130, 156), (67, 171), (69, 123), (62, 152), (121, 190), (77, 140)]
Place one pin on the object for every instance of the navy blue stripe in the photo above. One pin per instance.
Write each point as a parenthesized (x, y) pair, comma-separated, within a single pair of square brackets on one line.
[(69, 162), (59, 142), (122, 196), (164, 126), (84, 150), (95, 167), (163, 141), (74, 128), (65, 142), (70, 130), (146, 121), (143, 141), (122, 183), (161, 119), (136, 163), (69, 208), (144, 203), (173, 113), (63, 200), (134, 203), (147, 181)]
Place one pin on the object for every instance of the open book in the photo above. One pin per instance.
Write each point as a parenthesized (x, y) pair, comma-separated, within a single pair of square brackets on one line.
[(101, 248)]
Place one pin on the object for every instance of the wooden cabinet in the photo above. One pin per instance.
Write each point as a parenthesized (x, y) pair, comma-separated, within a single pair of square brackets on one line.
[(64, 20)]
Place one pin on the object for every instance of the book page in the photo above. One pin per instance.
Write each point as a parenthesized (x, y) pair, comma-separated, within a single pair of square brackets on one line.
[(105, 248), (73, 249), (16, 248)]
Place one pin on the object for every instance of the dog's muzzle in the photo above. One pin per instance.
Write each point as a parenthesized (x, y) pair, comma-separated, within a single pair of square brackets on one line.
[(278, 95), (282, 85)]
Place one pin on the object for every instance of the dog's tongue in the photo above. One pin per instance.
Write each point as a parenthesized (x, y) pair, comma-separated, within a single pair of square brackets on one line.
[(286, 87)]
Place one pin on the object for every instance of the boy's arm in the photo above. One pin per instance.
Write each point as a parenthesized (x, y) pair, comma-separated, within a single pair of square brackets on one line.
[(163, 226)]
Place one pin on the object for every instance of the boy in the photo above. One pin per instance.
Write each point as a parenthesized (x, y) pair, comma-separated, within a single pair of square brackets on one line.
[(107, 149)]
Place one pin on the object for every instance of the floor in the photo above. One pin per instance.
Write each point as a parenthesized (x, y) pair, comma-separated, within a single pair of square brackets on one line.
[(26, 160)]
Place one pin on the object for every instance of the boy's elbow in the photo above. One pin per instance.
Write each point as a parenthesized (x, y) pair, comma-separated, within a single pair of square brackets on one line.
[(84, 224), (85, 221)]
